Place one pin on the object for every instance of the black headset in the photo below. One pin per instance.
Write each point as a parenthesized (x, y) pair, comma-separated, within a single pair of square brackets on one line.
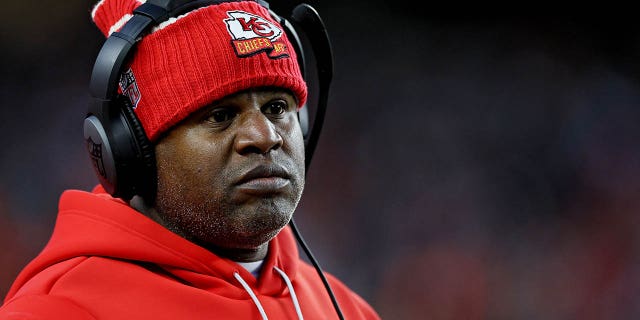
[(122, 155)]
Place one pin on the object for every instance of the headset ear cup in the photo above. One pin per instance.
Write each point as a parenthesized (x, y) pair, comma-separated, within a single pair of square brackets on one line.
[(144, 178), (100, 152), (303, 118), (120, 151)]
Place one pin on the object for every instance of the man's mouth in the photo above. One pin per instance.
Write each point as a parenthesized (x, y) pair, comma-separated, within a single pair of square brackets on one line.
[(264, 180)]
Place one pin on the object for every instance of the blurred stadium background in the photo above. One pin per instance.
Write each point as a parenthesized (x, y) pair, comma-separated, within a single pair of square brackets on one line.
[(472, 166)]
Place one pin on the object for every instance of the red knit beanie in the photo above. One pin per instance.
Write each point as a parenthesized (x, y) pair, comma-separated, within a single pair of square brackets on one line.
[(195, 59)]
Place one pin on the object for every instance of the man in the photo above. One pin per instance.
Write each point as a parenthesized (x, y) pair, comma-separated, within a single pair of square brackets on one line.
[(220, 108)]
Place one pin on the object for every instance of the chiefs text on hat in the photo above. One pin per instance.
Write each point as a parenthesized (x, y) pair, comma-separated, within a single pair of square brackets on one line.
[(252, 34)]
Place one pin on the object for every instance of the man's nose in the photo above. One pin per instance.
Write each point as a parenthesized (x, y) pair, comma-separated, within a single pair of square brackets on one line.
[(257, 134)]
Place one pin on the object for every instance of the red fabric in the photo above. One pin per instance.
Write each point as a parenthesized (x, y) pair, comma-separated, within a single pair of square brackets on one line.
[(107, 261), (208, 54)]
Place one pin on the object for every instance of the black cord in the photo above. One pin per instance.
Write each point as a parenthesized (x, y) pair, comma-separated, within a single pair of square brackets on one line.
[(304, 246)]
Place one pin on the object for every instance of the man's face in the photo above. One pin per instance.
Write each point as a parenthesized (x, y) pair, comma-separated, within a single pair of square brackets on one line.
[(231, 174)]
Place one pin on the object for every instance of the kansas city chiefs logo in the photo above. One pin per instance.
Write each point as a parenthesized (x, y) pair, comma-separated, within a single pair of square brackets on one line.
[(252, 34)]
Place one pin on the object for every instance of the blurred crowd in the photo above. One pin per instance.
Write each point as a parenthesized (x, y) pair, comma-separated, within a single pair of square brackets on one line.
[(469, 168)]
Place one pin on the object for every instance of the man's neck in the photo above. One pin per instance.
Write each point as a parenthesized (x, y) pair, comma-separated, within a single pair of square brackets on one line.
[(241, 255)]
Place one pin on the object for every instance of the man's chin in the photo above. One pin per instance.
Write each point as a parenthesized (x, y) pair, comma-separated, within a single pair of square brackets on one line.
[(260, 231), (243, 247)]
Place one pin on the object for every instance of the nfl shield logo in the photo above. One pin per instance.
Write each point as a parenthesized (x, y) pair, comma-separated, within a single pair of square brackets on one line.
[(129, 87), (95, 151)]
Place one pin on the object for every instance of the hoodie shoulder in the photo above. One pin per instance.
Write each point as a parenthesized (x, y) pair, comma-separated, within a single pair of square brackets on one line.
[(43, 307)]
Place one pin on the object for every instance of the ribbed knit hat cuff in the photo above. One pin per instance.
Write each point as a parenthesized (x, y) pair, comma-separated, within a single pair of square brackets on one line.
[(295, 84)]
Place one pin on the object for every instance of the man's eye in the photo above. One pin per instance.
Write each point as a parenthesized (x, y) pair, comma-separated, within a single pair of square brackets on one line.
[(278, 107), (221, 115)]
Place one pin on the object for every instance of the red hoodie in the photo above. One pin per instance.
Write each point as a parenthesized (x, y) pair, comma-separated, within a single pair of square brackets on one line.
[(107, 261)]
